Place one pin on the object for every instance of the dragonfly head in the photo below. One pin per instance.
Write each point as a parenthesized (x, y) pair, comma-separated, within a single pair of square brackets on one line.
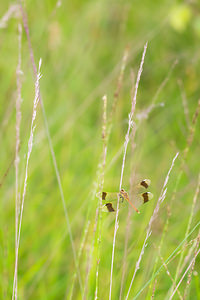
[(123, 194)]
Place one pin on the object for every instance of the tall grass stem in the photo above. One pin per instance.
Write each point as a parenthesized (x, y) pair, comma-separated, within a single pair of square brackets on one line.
[(130, 124)]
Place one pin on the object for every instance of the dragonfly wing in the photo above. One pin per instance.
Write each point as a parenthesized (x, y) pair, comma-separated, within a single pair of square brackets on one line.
[(110, 200), (146, 196), (139, 199), (108, 207), (142, 186), (145, 183), (109, 197)]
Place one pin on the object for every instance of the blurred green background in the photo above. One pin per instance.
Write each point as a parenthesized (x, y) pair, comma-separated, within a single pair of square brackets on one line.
[(81, 44)]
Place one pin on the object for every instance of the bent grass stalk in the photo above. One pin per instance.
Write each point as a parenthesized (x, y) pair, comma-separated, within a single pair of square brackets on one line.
[(130, 124), (153, 217)]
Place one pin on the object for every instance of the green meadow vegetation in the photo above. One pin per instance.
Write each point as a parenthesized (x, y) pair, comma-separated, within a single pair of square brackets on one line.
[(97, 96)]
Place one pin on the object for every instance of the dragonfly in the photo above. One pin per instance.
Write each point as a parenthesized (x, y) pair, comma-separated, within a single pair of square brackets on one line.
[(108, 199)]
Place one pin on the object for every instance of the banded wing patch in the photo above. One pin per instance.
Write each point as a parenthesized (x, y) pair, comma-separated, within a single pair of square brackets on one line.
[(109, 207)]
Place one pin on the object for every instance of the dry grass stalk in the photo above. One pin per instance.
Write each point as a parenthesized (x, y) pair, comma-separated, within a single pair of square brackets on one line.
[(164, 82), (56, 7), (189, 278), (7, 171), (188, 144), (26, 28), (153, 217), (99, 187), (18, 121), (144, 114), (154, 289), (30, 146), (104, 138), (101, 168), (47, 262), (192, 130), (87, 102), (90, 256), (91, 250), (102, 86), (185, 153), (184, 101), (191, 243), (130, 124), (79, 256), (88, 267), (13, 11), (188, 268), (128, 222), (168, 273), (119, 84), (188, 227), (166, 262), (165, 229)]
